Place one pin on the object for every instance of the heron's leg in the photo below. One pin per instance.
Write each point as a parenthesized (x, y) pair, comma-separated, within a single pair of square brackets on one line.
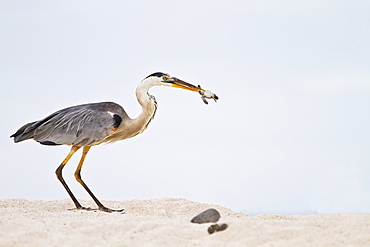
[(79, 179), (58, 172)]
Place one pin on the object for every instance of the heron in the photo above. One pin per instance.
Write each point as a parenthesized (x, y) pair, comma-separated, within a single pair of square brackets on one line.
[(88, 125)]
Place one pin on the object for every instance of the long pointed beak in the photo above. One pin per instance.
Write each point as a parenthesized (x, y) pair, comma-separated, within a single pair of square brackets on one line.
[(184, 85)]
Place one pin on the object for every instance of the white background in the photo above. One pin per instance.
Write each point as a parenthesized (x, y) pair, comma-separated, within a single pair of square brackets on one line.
[(290, 133)]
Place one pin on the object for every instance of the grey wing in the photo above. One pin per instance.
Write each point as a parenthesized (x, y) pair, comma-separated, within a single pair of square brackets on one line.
[(81, 125)]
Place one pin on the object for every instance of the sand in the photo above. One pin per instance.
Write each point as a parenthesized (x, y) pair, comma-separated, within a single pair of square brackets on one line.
[(166, 222)]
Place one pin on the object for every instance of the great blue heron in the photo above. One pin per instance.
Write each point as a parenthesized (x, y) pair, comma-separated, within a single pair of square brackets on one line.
[(88, 125)]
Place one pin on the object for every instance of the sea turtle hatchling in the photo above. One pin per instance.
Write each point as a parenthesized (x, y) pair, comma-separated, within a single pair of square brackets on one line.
[(207, 94)]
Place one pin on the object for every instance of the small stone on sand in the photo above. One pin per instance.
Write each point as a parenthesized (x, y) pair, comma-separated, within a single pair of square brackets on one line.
[(210, 215), (216, 228)]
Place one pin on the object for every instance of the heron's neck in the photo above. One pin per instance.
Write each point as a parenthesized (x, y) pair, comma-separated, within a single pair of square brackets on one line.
[(149, 108)]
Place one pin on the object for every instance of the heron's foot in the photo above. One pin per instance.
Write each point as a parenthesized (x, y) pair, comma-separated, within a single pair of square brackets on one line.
[(83, 208), (108, 210), (104, 209)]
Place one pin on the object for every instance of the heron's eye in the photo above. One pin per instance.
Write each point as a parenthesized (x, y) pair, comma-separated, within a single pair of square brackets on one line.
[(165, 78)]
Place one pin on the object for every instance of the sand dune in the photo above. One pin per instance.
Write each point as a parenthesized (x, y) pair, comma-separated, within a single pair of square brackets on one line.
[(166, 222)]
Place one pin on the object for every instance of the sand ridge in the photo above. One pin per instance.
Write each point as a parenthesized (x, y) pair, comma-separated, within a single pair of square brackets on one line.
[(166, 222)]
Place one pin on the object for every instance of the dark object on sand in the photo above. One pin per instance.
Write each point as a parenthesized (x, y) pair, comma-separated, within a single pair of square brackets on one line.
[(216, 228), (210, 215)]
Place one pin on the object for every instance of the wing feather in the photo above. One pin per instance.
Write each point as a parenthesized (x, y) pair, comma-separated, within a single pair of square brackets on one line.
[(80, 125)]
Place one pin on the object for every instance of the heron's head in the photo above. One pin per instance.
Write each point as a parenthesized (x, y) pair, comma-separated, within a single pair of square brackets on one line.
[(163, 79)]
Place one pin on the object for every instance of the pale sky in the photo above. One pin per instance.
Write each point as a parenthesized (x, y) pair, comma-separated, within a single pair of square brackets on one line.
[(289, 135)]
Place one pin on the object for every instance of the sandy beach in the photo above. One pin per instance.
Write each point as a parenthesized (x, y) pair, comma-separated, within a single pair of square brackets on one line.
[(166, 222)]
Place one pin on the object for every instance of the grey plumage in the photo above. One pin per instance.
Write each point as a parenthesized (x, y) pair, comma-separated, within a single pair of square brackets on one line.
[(81, 125)]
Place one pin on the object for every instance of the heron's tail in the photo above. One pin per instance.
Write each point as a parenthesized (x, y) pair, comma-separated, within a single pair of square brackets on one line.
[(24, 133)]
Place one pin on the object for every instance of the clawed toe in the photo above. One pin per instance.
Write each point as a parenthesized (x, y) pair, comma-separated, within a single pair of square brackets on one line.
[(108, 210), (83, 208), (101, 208)]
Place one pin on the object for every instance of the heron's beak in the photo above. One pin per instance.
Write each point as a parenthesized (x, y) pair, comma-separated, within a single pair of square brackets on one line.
[(184, 85)]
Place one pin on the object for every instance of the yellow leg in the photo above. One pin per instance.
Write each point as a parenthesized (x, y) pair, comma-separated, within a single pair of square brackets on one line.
[(58, 172), (79, 179)]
